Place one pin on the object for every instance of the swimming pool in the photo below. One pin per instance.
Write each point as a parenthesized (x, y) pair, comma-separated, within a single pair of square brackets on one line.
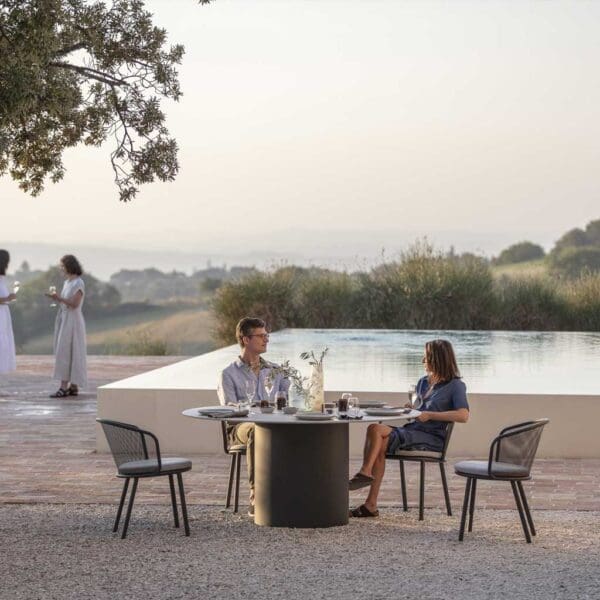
[(491, 362)]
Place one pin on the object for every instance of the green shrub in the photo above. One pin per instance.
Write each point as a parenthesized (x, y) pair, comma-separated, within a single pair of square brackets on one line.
[(575, 262), (529, 304), (326, 299), (582, 296), (427, 290), (268, 296), (521, 252), (140, 343)]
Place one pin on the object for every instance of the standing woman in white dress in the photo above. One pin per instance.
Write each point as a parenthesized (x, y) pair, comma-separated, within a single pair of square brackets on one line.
[(69, 331), (7, 341)]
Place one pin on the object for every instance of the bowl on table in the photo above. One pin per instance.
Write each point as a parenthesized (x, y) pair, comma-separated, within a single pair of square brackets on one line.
[(267, 410), (290, 410)]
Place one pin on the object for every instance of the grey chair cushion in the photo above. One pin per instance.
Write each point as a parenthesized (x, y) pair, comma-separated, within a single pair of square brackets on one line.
[(143, 467), (479, 468), (416, 454)]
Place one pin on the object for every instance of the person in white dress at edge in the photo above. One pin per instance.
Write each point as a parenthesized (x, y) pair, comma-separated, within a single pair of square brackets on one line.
[(70, 365), (8, 361)]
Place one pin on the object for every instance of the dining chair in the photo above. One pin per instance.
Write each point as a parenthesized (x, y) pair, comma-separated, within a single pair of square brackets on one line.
[(236, 452), (511, 455), (136, 453), (423, 457)]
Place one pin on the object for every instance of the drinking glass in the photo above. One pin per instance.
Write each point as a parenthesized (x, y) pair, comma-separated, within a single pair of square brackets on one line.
[(412, 389), (250, 391), (52, 290), (281, 400), (269, 383), (354, 406)]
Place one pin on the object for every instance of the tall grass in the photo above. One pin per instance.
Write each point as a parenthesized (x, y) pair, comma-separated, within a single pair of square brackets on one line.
[(423, 289)]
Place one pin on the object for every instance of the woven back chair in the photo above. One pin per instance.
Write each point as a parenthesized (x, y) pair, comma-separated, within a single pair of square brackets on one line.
[(511, 456), (422, 457), (236, 452), (136, 453)]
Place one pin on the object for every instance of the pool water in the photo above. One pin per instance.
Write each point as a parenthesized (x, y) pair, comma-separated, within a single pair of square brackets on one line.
[(522, 362)]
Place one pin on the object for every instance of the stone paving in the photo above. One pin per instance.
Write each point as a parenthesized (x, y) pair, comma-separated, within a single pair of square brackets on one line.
[(47, 454)]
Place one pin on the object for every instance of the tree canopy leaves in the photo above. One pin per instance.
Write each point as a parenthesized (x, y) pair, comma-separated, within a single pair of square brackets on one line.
[(82, 71)]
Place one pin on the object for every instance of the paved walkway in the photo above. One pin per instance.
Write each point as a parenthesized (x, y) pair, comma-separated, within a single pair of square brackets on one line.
[(47, 454)]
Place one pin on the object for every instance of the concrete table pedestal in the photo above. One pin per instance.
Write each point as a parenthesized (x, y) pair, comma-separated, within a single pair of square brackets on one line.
[(301, 475)]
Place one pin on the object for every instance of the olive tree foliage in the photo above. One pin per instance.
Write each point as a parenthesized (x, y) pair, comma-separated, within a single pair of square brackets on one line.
[(83, 71)]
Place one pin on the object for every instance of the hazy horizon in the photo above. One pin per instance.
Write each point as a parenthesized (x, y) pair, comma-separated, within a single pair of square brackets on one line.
[(330, 131)]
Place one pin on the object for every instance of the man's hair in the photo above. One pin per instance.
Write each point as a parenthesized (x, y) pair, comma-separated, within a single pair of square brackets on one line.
[(71, 265), (441, 360), (245, 327), (4, 260)]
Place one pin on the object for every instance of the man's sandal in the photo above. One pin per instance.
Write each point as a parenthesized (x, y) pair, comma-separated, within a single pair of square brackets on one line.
[(363, 511), (360, 481), (60, 393)]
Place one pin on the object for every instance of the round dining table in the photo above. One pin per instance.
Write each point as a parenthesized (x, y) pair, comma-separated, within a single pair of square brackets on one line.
[(301, 466)]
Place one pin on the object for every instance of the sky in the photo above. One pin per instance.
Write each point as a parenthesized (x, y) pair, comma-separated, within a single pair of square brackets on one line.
[(331, 130)]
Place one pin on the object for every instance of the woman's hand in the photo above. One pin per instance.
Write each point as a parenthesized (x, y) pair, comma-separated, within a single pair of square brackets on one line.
[(11, 297), (424, 416), (54, 296)]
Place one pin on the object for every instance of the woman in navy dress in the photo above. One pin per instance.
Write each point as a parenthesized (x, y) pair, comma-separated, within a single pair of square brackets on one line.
[(443, 397)]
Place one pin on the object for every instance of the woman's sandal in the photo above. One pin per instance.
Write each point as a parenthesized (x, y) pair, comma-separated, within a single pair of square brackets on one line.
[(72, 390), (60, 393), (363, 511), (360, 481)]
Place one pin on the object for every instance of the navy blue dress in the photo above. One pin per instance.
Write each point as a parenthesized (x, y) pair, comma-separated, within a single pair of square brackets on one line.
[(431, 435)]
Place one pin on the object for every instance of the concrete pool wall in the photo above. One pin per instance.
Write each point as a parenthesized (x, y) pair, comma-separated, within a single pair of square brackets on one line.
[(572, 432)]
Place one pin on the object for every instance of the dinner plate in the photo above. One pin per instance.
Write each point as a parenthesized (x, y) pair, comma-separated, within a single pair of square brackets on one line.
[(371, 403), (386, 412), (313, 416), (221, 411)]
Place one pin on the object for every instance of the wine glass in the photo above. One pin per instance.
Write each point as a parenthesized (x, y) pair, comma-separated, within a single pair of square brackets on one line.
[(415, 399), (52, 290), (250, 389), (16, 286), (354, 406), (411, 390), (269, 384)]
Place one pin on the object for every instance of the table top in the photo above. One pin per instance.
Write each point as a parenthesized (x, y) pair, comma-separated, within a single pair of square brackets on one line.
[(279, 418)]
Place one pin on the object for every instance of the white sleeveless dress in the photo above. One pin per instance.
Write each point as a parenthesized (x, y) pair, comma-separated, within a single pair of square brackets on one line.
[(69, 338), (8, 361)]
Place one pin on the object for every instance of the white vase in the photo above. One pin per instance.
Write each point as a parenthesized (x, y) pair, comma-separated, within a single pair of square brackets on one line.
[(317, 393)]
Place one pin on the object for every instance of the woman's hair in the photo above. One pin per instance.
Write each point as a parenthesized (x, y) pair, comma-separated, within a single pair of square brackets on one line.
[(71, 265), (4, 260), (440, 358)]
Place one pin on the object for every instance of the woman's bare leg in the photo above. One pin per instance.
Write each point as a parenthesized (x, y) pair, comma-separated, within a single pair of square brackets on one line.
[(375, 443), (378, 472)]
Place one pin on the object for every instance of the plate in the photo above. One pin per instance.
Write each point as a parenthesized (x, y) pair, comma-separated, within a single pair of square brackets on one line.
[(371, 403), (221, 411), (313, 416), (386, 412)]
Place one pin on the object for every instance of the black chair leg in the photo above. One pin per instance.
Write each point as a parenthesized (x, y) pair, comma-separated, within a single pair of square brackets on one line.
[(445, 486), (403, 486), (472, 503), (230, 484), (236, 498), (173, 501), (516, 494), (422, 491), (526, 507), (129, 507), (463, 516), (123, 496), (186, 525)]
